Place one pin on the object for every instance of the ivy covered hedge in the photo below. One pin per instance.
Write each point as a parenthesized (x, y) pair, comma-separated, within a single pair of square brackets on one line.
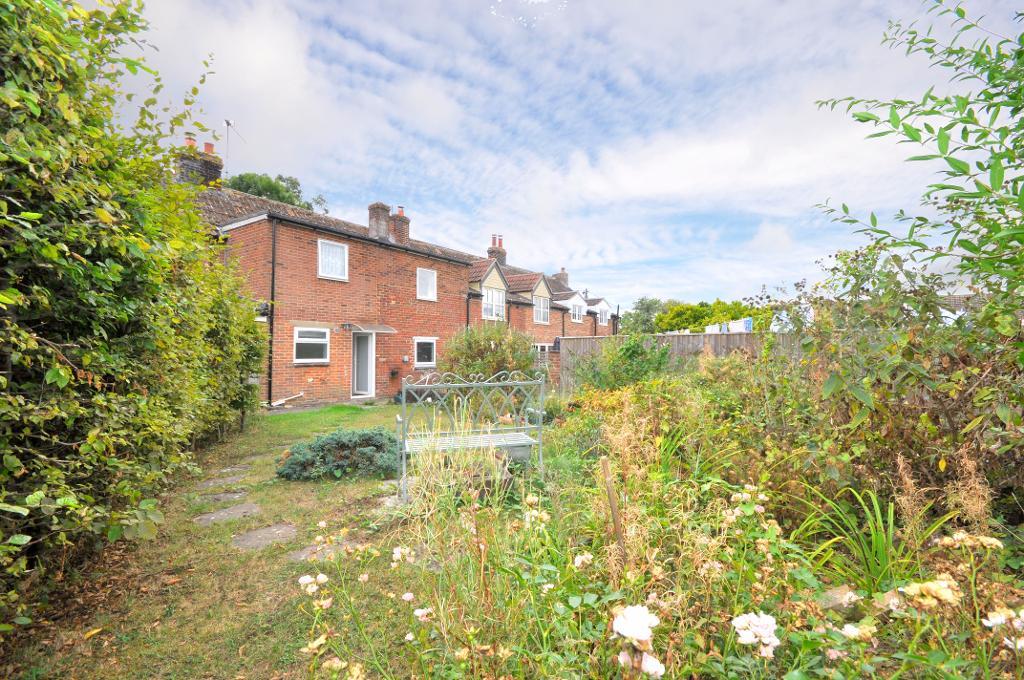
[(124, 339), (371, 451)]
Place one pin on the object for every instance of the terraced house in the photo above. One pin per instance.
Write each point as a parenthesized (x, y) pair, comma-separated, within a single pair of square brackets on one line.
[(352, 309)]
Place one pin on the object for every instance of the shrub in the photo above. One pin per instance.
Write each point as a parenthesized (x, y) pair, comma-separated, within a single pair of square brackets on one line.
[(372, 451), (634, 358), (486, 350), (125, 339)]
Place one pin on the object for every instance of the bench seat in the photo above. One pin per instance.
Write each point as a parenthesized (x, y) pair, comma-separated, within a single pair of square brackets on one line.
[(493, 440)]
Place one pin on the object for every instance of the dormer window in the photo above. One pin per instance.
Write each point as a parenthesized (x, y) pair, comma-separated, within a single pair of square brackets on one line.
[(494, 304)]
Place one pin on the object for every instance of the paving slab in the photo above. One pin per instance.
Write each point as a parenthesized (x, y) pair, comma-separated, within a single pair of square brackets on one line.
[(225, 514), (223, 497), (261, 538), (220, 481)]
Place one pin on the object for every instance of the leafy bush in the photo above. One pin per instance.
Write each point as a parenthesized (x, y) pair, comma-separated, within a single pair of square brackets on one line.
[(632, 359), (488, 349), (126, 340), (372, 451)]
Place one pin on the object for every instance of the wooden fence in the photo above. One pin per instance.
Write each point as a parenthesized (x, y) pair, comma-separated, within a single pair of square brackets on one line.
[(575, 350)]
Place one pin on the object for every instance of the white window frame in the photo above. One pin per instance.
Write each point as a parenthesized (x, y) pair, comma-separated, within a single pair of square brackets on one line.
[(320, 243), (420, 295), (602, 316), (308, 341), (577, 311), (543, 347), (497, 303), (415, 360), (541, 309)]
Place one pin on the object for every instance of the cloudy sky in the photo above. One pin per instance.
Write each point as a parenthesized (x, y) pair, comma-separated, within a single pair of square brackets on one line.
[(654, 148)]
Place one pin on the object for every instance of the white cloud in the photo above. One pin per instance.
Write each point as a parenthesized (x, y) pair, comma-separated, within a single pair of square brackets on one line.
[(668, 148)]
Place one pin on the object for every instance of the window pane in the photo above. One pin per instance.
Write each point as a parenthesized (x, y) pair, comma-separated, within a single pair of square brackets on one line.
[(332, 260), (424, 352), (309, 350), (313, 334)]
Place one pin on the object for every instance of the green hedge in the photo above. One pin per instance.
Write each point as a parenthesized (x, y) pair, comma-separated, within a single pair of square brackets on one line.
[(124, 339), (372, 451)]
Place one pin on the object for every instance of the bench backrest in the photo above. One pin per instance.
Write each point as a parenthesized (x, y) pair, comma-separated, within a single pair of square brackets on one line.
[(438, 404)]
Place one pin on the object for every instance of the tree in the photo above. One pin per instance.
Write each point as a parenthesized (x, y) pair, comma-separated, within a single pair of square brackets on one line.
[(124, 338), (696, 317), (281, 188), (640, 319)]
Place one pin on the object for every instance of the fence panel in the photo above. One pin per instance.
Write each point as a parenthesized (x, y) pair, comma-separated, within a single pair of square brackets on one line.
[(577, 349)]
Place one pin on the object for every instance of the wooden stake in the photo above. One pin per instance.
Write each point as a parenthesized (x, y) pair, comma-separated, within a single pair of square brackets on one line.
[(613, 506)]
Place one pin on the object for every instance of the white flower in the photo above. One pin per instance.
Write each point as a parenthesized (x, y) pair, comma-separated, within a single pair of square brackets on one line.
[(408, 597), (305, 580), (402, 554), (409, 637), (333, 664), (363, 578), (651, 666), (625, 659), (321, 579), (423, 614), (1016, 644), (325, 604), (583, 560), (634, 623), (998, 618), (322, 524), (546, 587), (863, 632), (757, 629), (531, 500)]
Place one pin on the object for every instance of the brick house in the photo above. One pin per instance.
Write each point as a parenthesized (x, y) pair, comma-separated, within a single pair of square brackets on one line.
[(351, 310)]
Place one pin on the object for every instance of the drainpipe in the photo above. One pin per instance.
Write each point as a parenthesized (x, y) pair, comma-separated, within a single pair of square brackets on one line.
[(467, 310), (563, 323), (595, 325), (615, 321), (273, 310)]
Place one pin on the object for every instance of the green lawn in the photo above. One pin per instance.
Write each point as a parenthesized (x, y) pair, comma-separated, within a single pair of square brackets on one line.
[(190, 605)]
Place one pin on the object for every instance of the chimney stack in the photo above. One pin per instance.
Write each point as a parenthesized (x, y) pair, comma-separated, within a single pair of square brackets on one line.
[(497, 249), (379, 218), (398, 227), (562, 277), (198, 167)]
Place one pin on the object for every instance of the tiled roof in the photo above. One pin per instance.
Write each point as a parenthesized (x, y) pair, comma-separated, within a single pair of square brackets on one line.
[(594, 301), (223, 206), (563, 295), (523, 282), (556, 286), (478, 269), (516, 298)]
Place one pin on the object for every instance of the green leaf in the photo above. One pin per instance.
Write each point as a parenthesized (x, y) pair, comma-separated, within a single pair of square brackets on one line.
[(832, 383), (58, 375), (862, 395), (14, 509), (974, 423), (19, 539), (995, 174), (958, 166), (894, 117), (912, 132), (575, 601), (943, 141)]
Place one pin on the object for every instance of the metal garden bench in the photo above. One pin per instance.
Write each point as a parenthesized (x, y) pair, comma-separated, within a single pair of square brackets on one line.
[(445, 412)]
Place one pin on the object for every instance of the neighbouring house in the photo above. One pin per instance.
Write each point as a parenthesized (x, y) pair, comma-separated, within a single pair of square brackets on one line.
[(351, 310)]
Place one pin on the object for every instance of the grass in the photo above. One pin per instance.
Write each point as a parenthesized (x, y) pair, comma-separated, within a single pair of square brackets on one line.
[(189, 604)]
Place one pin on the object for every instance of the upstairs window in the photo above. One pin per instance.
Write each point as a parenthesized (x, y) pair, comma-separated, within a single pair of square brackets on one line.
[(332, 260), (541, 309), (577, 313), (494, 304), (425, 352), (602, 317), (312, 345), (426, 284)]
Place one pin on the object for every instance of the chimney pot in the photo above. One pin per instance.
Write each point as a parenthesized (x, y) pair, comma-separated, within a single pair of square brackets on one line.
[(497, 250), (501, 241), (190, 139), (401, 210), (208, 147)]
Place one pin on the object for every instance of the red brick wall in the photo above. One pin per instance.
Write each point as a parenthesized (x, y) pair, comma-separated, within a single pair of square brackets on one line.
[(381, 289), (522, 320)]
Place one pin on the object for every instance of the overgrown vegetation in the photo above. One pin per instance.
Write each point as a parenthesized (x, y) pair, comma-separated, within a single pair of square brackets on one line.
[(488, 349), (697, 317), (845, 511), (372, 451), (621, 363), (125, 340)]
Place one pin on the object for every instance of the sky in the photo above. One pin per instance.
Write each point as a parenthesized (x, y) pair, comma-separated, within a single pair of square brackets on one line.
[(670, 149)]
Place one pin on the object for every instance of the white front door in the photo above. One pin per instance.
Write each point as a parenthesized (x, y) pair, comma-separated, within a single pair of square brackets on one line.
[(363, 353)]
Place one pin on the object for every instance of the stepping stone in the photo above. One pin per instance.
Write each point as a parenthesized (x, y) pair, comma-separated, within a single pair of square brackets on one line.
[(225, 514), (261, 538), (220, 481), (222, 497), (235, 468)]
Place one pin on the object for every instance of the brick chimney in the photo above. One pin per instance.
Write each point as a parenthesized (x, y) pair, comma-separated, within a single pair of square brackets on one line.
[(562, 277), (198, 167), (398, 227), (379, 214), (497, 249)]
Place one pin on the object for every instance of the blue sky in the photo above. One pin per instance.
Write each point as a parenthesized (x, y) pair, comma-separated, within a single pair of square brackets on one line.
[(652, 148)]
